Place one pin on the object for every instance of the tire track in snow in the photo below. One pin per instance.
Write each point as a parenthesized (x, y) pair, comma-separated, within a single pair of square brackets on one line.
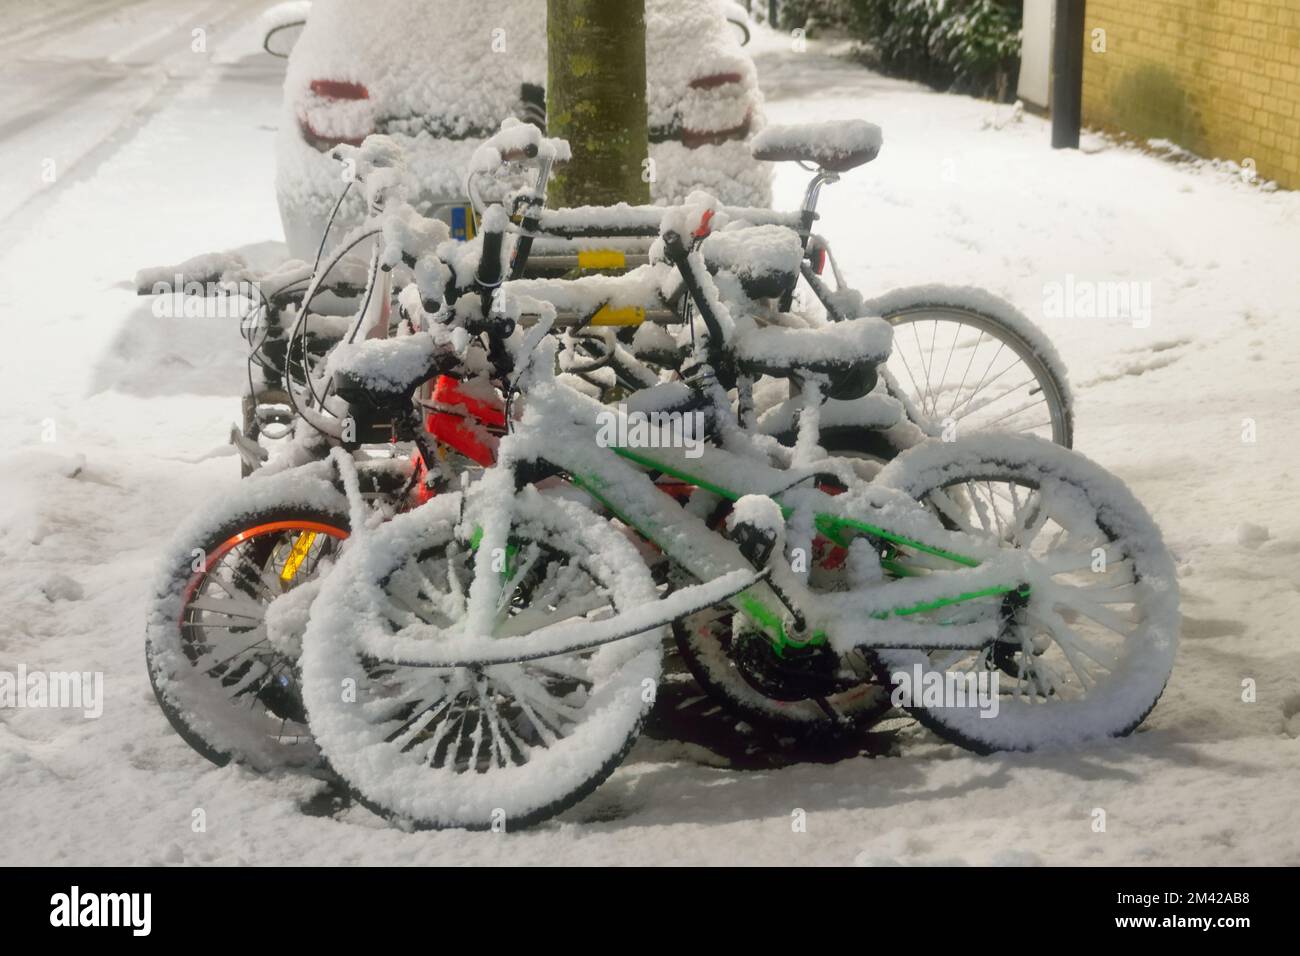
[(63, 21), (167, 85), (74, 91)]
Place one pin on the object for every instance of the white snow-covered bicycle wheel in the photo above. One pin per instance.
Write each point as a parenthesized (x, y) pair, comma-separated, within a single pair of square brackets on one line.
[(501, 745), (1088, 653), (965, 360)]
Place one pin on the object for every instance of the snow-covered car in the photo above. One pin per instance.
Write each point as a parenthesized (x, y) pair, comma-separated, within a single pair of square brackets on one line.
[(440, 75)]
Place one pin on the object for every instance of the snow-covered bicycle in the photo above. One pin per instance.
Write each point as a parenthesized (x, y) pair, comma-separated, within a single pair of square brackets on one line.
[(259, 546), (964, 359), (228, 689), (488, 659)]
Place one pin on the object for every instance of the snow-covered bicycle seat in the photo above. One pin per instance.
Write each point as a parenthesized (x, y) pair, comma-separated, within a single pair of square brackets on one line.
[(764, 258), (838, 349), (836, 147), (382, 372)]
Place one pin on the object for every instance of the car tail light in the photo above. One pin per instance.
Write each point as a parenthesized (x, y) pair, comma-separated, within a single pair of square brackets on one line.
[(324, 94), (695, 138), (714, 80), (340, 90)]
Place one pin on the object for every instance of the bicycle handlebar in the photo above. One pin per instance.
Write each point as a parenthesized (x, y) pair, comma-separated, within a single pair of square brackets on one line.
[(488, 275), (518, 155), (516, 142)]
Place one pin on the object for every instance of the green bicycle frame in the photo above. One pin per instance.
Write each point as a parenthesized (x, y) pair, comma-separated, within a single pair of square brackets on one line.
[(617, 478)]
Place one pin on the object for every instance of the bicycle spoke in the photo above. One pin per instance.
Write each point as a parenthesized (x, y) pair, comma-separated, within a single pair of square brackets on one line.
[(969, 363)]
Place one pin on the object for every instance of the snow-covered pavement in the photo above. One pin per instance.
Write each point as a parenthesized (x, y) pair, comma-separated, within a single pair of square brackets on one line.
[(114, 425)]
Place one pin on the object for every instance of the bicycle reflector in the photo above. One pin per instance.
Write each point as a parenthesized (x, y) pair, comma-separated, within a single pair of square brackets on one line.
[(705, 226), (297, 555), (818, 258), (462, 223)]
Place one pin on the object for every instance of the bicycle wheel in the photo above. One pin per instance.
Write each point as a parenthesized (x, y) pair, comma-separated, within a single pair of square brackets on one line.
[(964, 361), (228, 687), (504, 745), (1087, 653)]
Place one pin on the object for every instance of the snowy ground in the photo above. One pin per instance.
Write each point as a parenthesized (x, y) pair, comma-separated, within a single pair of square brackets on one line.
[(114, 424)]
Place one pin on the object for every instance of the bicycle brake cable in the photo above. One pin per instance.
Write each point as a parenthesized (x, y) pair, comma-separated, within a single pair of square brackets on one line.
[(320, 251)]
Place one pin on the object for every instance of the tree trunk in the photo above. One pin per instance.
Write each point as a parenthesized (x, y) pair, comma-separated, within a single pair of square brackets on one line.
[(595, 98)]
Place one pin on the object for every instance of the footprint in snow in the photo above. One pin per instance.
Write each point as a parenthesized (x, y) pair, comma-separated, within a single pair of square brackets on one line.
[(1251, 535), (60, 587), (1134, 369), (1162, 346), (1195, 628), (1291, 716)]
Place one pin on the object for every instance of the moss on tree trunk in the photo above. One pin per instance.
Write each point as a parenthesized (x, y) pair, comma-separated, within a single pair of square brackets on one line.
[(595, 98)]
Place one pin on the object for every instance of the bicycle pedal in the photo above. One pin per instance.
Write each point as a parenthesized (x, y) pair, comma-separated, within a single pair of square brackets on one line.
[(253, 454), (754, 526)]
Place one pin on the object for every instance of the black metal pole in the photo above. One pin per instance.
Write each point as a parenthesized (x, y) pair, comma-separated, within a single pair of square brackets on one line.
[(772, 10), (1067, 74)]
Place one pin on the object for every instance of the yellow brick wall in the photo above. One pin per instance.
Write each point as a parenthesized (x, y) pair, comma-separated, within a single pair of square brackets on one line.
[(1218, 77)]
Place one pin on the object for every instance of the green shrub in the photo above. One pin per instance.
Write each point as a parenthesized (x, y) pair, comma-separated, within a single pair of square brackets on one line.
[(816, 14), (969, 46)]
